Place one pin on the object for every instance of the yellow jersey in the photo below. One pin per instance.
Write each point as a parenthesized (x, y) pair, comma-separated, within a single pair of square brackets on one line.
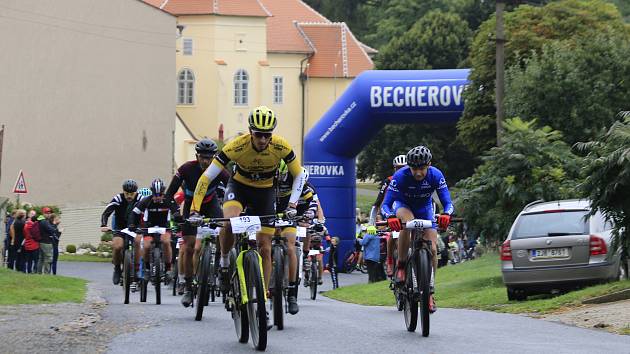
[(258, 168)]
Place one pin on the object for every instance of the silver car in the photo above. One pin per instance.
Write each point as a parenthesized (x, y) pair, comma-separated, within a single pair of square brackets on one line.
[(554, 246)]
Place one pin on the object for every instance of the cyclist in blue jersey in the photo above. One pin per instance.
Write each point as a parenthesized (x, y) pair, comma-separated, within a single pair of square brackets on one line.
[(409, 197)]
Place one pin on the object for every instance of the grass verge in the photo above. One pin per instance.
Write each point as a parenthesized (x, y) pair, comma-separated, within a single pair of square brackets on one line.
[(20, 288), (475, 285), (83, 258), (364, 202), (370, 186)]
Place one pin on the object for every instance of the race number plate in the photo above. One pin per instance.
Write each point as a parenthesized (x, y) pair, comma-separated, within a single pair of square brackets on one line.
[(157, 230), (313, 252), (241, 224), (301, 232), (204, 231), (418, 224), (395, 234)]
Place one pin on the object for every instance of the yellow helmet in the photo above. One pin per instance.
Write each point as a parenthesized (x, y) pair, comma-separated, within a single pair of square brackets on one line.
[(262, 119)]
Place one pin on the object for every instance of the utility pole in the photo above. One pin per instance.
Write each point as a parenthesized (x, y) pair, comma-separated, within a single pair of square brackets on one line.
[(1, 142), (499, 90)]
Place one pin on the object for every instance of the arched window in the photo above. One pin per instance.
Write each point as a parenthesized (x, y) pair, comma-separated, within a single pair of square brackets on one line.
[(241, 86), (185, 87)]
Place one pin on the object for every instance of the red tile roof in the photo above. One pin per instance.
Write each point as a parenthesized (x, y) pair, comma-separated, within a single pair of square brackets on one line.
[(282, 34), (211, 7)]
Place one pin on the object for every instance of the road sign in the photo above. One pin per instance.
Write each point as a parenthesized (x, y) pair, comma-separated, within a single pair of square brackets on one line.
[(20, 184)]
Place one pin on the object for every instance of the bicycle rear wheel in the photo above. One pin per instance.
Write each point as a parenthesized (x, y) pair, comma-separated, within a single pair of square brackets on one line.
[(424, 271), (175, 274), (127, 274), (350, 262), (157, 266), (239, 312), (410, 305), (256, 311), (278, 277), (202, 279), (314, 279)]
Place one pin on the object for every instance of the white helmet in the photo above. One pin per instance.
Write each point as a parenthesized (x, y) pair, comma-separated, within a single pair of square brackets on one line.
[(400, 160)]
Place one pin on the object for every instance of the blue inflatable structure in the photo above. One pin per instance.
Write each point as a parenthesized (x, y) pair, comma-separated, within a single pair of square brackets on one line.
[(374, 99)]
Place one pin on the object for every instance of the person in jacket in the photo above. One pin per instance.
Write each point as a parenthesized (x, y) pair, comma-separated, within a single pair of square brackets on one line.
[(47, 232), (371, 243), (56, 220), (17, 240), (31, 242), (9, 256)]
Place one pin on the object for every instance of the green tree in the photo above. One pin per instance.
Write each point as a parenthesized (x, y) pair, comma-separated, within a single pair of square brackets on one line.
[(527, 29), (532, 164), (584, 83), (607, 182), (438, 40)]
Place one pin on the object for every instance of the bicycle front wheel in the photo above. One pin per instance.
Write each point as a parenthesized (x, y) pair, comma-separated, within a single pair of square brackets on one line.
[(127, 274), (410, 304), (157, 266), (314, 279), (424, 270), (256, 311), (278, 277), (202, 278), (239, 312), (175, 280)]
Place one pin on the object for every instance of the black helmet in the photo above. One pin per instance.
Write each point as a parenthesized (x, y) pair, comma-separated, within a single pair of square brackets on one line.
[(206, 147), (130, 186), (157, 186), (419, 156)]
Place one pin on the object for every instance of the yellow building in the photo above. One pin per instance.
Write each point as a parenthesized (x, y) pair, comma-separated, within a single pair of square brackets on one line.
[(234, 55)]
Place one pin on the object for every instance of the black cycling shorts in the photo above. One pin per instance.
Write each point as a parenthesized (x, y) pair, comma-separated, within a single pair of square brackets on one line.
[(257, 201), (211, 209)]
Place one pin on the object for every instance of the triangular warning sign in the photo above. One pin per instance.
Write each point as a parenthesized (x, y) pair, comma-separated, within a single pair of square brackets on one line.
[(20, 184)]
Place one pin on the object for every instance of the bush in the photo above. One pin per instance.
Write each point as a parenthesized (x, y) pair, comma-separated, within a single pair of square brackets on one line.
[(71, 248), (106, 237), (88, 246), (104, 247)]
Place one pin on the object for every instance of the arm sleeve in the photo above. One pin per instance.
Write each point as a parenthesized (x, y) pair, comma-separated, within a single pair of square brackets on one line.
[(393, 193), (134, 214), (381, 193), (176, 182), (299, 178), (204, 182), (444, 195), (109, 210)]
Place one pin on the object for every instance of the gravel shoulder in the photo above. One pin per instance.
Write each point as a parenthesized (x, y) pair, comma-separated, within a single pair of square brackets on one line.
[(612, 317)]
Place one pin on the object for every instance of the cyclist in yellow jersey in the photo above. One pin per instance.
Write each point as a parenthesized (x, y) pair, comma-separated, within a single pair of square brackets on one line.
[(257, 156)]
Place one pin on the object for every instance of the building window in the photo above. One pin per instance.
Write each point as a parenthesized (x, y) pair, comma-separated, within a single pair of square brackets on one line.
[(185, 87), (241, 86), (188, 46), (278, 89)]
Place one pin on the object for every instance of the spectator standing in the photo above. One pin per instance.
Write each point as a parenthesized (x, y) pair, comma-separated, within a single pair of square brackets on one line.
[(371, 243), (47, 232), (9, 257), (31, 242), (332, 261), (56, 220), (17, 240)]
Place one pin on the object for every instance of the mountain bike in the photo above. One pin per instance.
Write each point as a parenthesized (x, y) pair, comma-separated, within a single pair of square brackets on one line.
[(156, 261), (416, 290), (311, 269), (351, 260), (129, 261), (205, 288)]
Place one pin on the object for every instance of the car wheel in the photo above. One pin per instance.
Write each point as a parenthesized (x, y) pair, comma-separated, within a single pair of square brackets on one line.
[(520, 295), (510, 294)]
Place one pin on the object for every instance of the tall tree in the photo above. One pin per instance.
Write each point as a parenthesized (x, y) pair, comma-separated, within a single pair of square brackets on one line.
[(527, 29)]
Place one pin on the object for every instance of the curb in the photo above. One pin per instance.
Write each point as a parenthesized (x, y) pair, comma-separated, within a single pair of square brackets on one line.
[(612, 297)]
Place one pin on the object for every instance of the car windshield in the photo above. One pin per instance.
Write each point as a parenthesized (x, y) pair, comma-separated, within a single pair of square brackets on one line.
[(551, 224)]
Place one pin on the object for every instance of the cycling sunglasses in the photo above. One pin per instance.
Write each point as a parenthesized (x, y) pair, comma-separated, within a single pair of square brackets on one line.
[(260, 135)]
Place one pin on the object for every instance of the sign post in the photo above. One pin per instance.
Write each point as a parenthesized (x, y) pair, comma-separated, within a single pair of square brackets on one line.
[(20, 187)]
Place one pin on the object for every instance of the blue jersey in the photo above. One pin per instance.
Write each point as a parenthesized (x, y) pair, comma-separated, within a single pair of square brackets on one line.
[(416, 195)]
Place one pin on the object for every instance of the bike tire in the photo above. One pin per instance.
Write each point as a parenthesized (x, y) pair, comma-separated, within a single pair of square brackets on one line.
[(363, 268), (239, 312), (256, 310), (127, 275), (313, 279), (424, 272), (157, 265), (349, 262), (143, 290), (202, 280), (278, 277), (211, 274), (410, 306), (176, 275)]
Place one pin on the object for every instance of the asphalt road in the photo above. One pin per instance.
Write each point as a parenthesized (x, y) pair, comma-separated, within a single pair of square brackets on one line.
[(330, 326)]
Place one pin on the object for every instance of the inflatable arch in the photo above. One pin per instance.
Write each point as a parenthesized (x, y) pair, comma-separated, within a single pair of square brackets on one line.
[(374, 99)]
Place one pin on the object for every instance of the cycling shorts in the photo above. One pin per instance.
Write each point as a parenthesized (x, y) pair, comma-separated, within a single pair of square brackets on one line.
[(258, 201), (424, 213), (211, 209)]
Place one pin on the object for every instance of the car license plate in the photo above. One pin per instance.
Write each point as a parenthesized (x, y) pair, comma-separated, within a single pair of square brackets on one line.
[(551, 253)]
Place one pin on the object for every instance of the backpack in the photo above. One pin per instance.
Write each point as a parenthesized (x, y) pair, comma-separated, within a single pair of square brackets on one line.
[(35, 233)]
